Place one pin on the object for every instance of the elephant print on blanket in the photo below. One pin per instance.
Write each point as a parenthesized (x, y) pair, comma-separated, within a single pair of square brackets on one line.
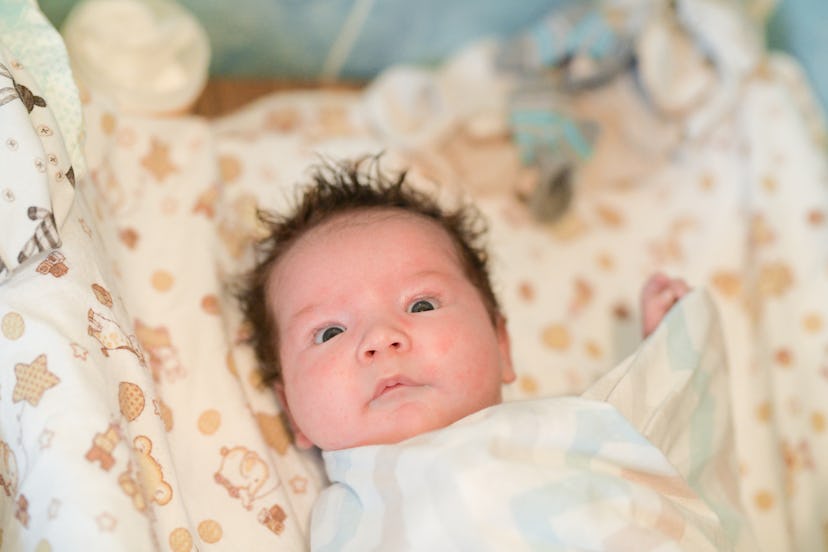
[(146, 483)]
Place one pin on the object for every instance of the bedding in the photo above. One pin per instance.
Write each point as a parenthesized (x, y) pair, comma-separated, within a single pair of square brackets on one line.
[(41, 142), (536, 473), (131, 415)]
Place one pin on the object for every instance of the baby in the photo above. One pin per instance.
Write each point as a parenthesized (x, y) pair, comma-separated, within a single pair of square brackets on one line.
[(375, 320), (374, 315)]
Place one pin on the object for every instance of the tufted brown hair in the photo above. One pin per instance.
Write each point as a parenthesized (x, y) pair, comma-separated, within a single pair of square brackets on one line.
[(342, 188)]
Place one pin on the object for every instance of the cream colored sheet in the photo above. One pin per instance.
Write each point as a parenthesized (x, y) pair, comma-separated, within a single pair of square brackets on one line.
[(131, 414)]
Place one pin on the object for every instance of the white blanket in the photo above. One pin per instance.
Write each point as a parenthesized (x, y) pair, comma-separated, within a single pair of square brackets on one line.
[(560, 473)]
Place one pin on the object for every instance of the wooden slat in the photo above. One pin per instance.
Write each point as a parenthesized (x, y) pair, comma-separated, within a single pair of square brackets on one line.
[(223, 95)]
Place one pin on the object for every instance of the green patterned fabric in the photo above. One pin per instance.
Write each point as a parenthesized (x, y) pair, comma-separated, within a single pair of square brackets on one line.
[(35, 43)]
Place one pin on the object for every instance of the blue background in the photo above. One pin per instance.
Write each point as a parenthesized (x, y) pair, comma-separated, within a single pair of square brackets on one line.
[(293, 38)]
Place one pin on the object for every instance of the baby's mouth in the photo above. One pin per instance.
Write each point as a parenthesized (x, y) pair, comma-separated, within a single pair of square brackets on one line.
[(387, 385)]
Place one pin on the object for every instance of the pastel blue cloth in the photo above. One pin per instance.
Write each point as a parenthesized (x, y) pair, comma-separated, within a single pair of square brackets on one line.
[(560, 473)]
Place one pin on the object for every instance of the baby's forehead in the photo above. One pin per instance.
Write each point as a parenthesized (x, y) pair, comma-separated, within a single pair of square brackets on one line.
[(365, 216), (382, 222), (329, 230), (343, 247)]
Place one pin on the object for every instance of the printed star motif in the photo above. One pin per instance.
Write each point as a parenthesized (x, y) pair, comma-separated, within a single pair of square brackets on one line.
[(46, 438), (206, 203), (298, 484), (79, 352), (106, 523), (32, 381), (157, 161)]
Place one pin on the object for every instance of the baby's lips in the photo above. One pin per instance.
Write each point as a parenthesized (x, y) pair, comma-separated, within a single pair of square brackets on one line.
[(391, 382)]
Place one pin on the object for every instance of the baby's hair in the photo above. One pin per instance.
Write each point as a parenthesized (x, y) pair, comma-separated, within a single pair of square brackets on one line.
[(349, 187)]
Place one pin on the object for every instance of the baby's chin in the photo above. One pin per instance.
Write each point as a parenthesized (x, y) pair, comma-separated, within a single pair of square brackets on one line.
[(405, 424), (389, 438)]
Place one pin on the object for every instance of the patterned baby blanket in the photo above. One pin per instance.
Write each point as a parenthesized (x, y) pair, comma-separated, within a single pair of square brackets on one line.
[(566, 473)]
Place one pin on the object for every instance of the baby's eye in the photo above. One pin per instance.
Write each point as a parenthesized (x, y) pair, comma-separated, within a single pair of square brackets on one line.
[(422, 305), (325, 334)]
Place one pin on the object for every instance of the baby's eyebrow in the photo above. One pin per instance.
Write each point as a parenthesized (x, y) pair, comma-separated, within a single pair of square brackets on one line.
[(431, 274), (304, 312), (308, 310)]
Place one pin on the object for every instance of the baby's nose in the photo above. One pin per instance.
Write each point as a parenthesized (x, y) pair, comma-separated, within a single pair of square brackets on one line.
[(372, 351), (382, 339)]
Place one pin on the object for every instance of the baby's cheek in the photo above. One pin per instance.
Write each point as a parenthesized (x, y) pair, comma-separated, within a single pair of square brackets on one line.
[(445, 342), (315, 413)]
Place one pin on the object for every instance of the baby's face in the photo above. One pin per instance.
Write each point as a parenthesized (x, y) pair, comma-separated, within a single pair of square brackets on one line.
[(381, 334)]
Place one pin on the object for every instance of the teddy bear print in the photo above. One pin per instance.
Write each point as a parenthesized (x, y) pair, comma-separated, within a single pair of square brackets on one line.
[(163, 356), (102, 446)]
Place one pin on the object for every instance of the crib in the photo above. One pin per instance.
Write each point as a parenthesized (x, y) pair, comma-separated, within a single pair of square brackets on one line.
[(132, 416)]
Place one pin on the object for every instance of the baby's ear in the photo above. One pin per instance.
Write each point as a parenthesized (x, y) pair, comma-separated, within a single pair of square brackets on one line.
[(298, 437), (505, 345)]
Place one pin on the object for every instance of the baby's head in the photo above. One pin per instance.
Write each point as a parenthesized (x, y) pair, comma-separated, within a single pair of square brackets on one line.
[(373, 313)]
